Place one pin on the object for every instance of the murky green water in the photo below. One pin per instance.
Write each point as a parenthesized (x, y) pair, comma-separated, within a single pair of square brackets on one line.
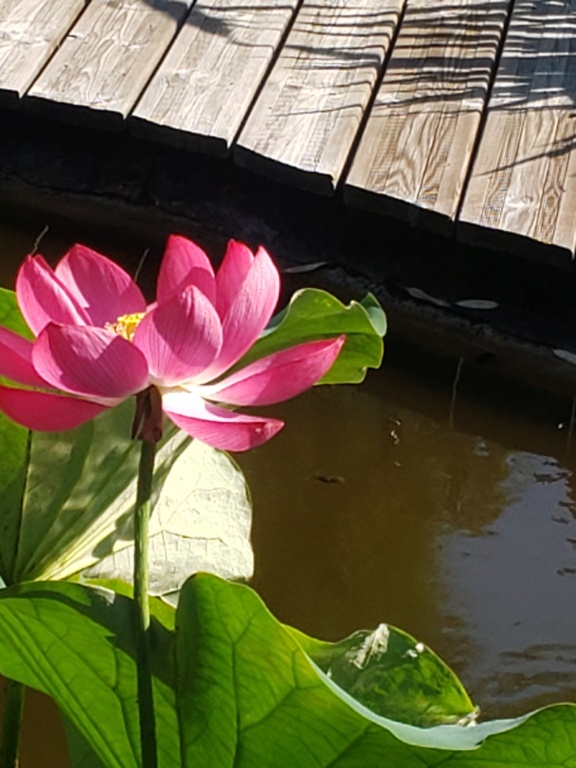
[(453, 518)]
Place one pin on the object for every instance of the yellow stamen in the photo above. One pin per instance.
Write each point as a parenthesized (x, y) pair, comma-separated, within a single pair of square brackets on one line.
[(126, 325)]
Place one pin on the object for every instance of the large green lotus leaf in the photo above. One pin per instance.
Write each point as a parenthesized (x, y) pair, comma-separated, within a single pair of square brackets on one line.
[(249, 696), (10, 315), (160, 608), (233, 688), (80, 753), (77, 645), (315, 314), (79, 498), (74, 480), (201, 522), (394, 675), (14, 445)]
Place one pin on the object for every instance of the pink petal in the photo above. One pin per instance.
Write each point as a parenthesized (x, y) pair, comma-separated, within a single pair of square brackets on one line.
[(279, 376), (102, 288), (16, 359), (231, 274), (43, 298), (90, 361), (218, 427), (248, 304), (184, 263), (44, 411), (180, 338)]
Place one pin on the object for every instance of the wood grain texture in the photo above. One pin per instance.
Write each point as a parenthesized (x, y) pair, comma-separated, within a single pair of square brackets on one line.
[(524, 178), (107, 58), (30, 31), (417, 145), (203, 89), (307, 116)]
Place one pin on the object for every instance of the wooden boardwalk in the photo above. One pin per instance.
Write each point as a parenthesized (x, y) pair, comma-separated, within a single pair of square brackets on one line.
[(455, 115)]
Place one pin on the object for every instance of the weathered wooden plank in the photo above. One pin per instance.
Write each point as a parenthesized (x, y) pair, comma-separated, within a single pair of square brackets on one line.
[(107, 58), (523, 182), (200, 95), (30, 31), (308, 114), (415, 152)]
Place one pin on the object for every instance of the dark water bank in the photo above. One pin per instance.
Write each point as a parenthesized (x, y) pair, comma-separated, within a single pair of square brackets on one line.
[(136, 191)]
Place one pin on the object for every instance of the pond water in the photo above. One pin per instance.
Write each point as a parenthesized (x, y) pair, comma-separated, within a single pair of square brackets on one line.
[(433, 497), (455, 521)]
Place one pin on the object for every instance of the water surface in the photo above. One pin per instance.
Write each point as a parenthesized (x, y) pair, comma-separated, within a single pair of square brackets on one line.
[(456, 522), (451, 514)]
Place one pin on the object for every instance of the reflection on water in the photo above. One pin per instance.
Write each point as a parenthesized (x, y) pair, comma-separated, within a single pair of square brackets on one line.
[(513, 583), (381, 503), (465, 535)]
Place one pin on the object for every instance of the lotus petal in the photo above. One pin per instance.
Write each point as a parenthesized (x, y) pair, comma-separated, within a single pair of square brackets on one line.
[(233, 270), (102, 288), (92, 362), (250, 307), (44, 411), (216, 426), (184, 263), (180, 338), (43, 298), (16, 359), (279, 376)]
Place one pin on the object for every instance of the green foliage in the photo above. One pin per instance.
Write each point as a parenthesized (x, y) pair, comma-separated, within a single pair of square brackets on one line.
[(73, 480), (66, 499), (393, 675), (10, 315), (76, 508), (314, 314), (233, 688), (77, 645), (76, 491)]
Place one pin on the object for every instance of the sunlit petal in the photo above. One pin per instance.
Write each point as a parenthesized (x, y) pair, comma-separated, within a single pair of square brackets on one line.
[(180, 338), (184, 263), (216, 426), (102, 288), (90, 361), (248, 310), (279, 376), (236, 264), (16, 359), (43, 298), (44, 411)]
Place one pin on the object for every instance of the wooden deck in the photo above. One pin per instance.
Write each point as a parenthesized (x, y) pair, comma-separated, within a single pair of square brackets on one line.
[(455, 115)]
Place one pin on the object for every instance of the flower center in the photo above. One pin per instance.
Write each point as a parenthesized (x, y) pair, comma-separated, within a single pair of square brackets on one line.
[(126, 325)]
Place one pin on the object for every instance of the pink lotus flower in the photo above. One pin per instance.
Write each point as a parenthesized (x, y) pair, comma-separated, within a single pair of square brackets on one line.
[(98, 343)]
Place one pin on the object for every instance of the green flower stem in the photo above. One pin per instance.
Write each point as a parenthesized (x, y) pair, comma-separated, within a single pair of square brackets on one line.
[(141, 519), (11, 727)]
